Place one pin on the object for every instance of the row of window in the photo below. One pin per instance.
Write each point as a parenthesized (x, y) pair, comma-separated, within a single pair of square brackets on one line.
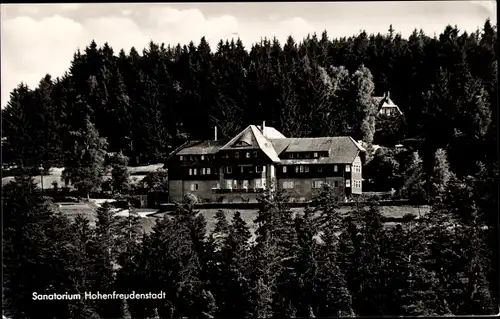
[(316, 184), (259, 183), (202, 171), (306, 154), (319, 184), (253, 154), (305, 168), (260, 169), (185, 158)]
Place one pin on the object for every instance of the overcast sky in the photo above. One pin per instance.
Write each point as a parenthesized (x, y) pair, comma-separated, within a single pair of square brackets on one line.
[(37, 39)]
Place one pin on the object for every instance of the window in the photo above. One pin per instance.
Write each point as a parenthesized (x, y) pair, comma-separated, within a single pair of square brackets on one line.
[(194, 187), (190, 171), (284, 169), (226, 155), (357, 184), (257, 169), (315, 155), (308, 155), (229, 184), (290, 155), (229, 169), (241, 169), (320, 169), (216, 186), (301, 169), (317, 184), (258, 183), (248, 155), (236, 154), (348, 168), (203, 171), (296, 169), (208, 171), (347, 183), (287, 185), (202, 157), (255, 154), (335, 168), (235, 183), (181, 158), (245, 184), (336, 184), (306, 169)]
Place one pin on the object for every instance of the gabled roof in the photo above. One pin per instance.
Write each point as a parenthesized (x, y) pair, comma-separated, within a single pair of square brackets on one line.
[(253, 134), (384, 102), (342, 149), (202, 147)]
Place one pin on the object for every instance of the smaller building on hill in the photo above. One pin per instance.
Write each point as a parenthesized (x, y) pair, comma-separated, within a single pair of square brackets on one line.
[(386, 106)]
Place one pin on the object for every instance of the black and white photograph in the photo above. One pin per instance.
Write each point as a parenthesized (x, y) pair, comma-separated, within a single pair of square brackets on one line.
[(249, 159)]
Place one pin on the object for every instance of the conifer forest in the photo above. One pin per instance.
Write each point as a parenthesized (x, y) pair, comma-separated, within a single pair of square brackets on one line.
[(142, 104)]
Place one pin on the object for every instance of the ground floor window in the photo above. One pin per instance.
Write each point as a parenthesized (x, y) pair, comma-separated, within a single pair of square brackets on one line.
[(288, 185), (317, 184), (194, 187)]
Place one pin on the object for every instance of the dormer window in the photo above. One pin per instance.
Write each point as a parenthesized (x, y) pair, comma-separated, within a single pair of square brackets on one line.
[(290, 155), (181, 158), (308, 155), (236, 154), (248, 155), (315, 155), (202, 157)]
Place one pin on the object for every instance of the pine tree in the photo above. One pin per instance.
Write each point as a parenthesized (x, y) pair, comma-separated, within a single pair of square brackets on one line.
[(85, 159), (120, 175), (441, 175)]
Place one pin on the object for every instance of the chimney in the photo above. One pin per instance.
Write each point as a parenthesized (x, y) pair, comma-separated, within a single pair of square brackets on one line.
[(263, 126), (215, 133)]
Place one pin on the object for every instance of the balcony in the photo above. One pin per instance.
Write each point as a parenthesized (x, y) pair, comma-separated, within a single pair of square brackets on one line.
[(237, 190)]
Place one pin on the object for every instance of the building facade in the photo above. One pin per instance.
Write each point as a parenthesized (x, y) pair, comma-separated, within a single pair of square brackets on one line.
[(260, 157), (386, 106)]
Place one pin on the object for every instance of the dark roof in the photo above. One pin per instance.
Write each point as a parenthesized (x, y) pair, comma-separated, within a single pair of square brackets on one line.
[(342, 149), (306, 144), (203, 147)]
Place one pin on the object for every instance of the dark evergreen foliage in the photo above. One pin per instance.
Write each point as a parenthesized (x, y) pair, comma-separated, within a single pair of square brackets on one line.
[(316, 262)]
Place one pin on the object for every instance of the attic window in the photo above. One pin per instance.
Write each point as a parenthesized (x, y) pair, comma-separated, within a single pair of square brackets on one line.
[(290, 155), (315, 155), (242, 144)]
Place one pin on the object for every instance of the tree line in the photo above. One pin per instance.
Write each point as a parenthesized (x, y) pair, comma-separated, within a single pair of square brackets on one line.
[(317, 262), (147, 104)]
